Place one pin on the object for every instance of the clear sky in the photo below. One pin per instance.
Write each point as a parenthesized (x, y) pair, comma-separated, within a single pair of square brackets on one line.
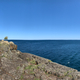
[(40, 19)]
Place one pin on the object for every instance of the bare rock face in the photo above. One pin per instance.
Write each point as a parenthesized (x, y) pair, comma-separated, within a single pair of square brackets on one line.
[(5, 46), (15, 65), (13, 47)]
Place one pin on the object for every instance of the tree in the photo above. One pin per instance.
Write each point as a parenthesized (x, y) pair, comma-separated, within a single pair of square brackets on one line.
[(6, 38)]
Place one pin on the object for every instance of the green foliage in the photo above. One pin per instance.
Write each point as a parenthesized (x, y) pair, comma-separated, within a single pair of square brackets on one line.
[(6, 38), (33, 62), (43, 68), (21, 77), (28, 67), (31, 72), (18, 67), (0, 44), (28, 59), (49, 61), (66, 73), (3, 56), (36, 79)]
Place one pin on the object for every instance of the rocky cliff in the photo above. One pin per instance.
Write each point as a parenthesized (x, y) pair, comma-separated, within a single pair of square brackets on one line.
[(15, 65)]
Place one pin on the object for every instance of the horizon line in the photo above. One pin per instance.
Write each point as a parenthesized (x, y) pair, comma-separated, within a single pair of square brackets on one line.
[(41, 39)]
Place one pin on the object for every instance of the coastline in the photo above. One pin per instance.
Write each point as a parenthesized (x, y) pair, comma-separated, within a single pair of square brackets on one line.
[(11, 58)]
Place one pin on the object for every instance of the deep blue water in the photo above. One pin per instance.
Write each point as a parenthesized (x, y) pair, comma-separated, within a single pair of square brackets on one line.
[(65, 52)]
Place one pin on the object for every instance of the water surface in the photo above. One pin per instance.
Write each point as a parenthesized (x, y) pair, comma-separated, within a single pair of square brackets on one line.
[(65, 52)]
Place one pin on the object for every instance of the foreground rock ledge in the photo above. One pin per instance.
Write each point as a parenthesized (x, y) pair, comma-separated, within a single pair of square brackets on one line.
[(15, 65)]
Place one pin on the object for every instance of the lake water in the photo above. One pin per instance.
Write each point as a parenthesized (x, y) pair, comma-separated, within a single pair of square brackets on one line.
[(65, 52)]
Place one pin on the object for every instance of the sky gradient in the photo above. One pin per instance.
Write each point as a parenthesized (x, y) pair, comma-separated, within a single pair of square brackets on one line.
[(40, 19)]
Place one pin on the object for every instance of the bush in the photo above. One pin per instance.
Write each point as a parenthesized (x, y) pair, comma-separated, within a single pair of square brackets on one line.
[(6, 38)]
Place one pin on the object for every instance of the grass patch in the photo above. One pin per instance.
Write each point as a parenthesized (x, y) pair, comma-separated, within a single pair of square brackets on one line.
[(43, 69), (70, 76), (0, 57), (21, 78), (31, 72), (49, 61), (31, 67), (32, 62), (46, 73), (18, 67), (28, 67), (36, 79), (28, 59), (66, 73), (3, 56), (0, 44)]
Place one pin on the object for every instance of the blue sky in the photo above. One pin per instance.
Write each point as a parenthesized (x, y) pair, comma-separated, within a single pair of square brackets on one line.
[(40, 19)]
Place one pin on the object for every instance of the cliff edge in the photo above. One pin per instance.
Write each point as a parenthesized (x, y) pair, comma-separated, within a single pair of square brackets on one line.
[(15, 65)]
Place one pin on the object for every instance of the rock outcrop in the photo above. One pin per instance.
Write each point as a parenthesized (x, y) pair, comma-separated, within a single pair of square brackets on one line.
[(15, 65)]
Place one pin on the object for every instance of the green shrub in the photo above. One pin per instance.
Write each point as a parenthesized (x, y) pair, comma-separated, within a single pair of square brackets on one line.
[(6, 38)]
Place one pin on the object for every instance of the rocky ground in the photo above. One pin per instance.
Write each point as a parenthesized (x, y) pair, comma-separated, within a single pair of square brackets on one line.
[(15, 65)]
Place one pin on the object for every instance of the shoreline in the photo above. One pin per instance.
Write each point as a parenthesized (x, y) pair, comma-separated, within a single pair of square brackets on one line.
[(18, 64)]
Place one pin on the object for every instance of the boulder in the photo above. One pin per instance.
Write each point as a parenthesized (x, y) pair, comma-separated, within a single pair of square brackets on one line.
[(13, 47)]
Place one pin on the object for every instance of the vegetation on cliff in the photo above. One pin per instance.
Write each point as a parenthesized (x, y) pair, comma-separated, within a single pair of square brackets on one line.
[(6, 38)]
